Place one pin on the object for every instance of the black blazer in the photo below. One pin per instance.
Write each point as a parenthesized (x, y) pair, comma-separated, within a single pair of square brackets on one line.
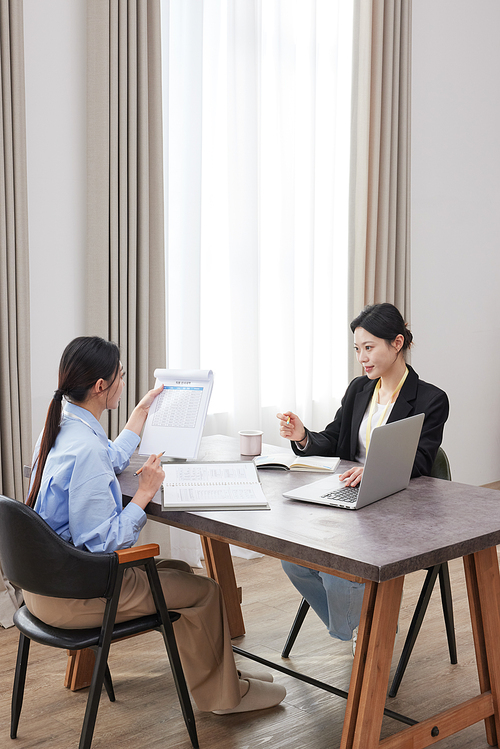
[(340, 438)]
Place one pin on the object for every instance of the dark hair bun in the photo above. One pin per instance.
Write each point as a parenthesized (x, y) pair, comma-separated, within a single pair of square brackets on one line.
[(408, 336), (383, 321)]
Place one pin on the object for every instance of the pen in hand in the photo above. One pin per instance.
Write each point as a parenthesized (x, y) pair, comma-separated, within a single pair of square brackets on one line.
[(140, 469)]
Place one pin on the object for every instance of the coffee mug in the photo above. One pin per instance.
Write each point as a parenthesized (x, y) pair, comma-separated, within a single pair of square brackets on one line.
[(250, 442)]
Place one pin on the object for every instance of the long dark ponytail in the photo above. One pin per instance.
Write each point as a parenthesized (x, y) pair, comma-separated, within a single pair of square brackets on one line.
[(84, 361)]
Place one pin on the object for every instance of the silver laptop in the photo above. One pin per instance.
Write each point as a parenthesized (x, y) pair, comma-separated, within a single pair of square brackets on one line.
[(388, 467)]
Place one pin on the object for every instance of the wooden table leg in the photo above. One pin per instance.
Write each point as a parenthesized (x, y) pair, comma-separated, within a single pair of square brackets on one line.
[(372, 665), (369, 680), (79, 669), (220, 568), (483, 588)]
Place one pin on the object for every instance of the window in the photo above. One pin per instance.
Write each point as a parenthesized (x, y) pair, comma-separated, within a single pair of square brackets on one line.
[(256, 141)]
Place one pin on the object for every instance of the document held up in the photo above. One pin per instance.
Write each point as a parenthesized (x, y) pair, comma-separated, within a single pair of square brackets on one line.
[(177, 416)]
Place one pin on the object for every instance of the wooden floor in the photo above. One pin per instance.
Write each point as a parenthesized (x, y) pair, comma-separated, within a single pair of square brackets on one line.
[(146, 712)]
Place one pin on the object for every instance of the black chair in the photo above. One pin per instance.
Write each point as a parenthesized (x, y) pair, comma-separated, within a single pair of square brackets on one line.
[(38, 560), (440, 470)]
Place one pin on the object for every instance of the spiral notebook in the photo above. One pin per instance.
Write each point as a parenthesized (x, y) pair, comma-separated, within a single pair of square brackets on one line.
[(212, 486)]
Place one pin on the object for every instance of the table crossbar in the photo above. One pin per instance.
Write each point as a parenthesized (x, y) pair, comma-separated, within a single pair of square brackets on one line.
[(316, 683)]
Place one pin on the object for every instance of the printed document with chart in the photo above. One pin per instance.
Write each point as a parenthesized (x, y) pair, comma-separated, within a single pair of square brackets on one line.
[(177, 416)]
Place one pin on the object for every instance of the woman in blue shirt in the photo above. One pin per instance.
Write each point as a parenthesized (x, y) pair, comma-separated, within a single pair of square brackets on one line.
[(75, 489)]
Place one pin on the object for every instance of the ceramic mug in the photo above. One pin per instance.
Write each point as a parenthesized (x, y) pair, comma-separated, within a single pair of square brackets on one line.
[(250, 442)]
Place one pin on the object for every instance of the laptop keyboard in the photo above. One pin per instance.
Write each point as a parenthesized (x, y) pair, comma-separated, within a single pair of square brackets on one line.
[(347, 494)]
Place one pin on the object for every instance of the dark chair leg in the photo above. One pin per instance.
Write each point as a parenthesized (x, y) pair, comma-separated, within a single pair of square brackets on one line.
[(447, 602), (415, 625), (93, 698), (173, 653), (108, 683), (101, 665), (294, 631), (180, 683), (19, 681)]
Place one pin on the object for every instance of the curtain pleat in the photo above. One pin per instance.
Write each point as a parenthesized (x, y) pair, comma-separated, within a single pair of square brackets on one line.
[(380, 175), (15, 384), (15, 387), (125, 268)]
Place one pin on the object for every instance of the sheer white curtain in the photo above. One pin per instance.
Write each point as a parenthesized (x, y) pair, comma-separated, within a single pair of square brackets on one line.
[(256, 107)]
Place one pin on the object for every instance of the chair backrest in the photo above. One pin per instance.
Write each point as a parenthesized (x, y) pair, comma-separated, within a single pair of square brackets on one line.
[(36, 559), (441, 466)]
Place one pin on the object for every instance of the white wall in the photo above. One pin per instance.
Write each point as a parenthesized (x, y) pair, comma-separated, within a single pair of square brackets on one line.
[(55, 52), (456, 222)]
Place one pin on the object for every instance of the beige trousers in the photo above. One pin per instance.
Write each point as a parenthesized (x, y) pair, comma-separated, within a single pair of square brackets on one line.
[(202, 632)]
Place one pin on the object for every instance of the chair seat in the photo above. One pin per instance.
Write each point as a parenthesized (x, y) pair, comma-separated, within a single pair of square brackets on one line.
[(78, 639)]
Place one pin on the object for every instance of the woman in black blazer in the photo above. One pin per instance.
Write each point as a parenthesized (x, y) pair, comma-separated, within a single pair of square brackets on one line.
[(389, 391)]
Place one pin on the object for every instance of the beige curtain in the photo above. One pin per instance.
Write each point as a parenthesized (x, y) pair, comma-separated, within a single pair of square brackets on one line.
[(380, 170), (125, 268), (15, 386)]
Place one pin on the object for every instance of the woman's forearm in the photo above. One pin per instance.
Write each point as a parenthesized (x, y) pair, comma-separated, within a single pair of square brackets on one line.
[(140, 413), (137, 419)]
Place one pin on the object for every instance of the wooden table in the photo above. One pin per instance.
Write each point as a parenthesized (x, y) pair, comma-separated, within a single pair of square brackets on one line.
[(432, 521)]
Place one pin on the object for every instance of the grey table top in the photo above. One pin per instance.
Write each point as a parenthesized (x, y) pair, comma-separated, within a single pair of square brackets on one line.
[(430, 522)]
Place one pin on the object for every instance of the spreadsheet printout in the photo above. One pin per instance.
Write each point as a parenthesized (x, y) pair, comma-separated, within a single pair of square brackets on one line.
[(177, 406), (177, 416)]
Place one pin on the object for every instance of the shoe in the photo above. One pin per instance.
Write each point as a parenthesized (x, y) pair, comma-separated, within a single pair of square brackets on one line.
[(259, 696), (260, 675), (354, 640)]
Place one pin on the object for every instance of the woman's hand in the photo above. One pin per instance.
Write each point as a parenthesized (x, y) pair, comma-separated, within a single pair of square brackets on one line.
[(140, 413), (291, 427), (352, 477), (148, 399), (152, 474)]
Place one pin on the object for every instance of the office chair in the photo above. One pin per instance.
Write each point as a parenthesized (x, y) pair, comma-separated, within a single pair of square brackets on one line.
[(36, 559), (440, 470)]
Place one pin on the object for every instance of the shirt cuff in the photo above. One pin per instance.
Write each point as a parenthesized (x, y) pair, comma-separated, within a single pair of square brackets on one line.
[(127, 441), (136, 514), (305, 446)]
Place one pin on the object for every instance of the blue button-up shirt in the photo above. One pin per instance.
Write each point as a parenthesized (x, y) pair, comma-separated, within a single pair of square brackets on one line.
[(80, 497)]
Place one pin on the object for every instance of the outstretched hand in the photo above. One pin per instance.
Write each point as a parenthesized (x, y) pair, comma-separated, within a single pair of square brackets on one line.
[(291, 427)]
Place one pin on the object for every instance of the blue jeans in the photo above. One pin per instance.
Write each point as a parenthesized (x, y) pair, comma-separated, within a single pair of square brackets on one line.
[(336, 601)]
